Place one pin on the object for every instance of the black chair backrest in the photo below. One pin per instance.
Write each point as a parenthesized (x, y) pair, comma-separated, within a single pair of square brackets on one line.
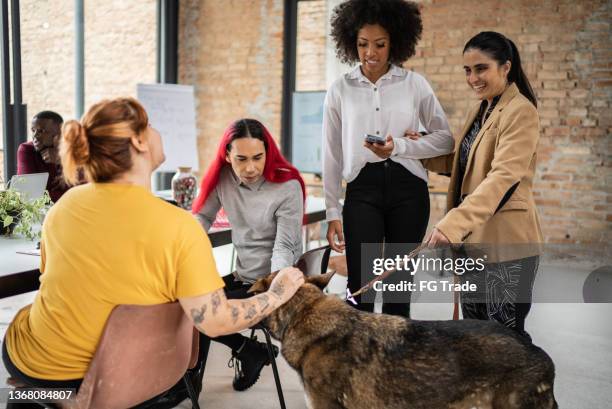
[(315, 261)]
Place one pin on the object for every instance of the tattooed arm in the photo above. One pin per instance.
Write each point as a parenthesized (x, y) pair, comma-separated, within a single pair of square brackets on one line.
[(215, 315)]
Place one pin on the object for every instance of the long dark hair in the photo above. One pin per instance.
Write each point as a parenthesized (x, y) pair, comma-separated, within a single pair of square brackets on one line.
[(502, 49), (244, 128)]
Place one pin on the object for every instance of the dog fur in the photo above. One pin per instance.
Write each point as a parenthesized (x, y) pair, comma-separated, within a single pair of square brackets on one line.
[(351, 359)]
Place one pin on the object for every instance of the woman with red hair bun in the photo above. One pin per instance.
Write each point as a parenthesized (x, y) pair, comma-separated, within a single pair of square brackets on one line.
[(103, 246), (263, 197)]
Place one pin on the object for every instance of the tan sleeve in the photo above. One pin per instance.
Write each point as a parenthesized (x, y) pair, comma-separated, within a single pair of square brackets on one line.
[(517, 142), (440, 164)]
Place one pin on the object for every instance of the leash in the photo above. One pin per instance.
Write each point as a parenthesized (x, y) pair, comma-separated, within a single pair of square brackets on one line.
[(368, 286), (455, 299), (351, 297)]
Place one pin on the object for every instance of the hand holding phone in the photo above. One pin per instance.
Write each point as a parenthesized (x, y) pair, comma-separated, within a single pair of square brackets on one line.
[(375, 139), (381, 147)]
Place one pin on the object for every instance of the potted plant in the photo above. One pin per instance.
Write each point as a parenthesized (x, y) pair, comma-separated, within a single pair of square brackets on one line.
[(19, 216)]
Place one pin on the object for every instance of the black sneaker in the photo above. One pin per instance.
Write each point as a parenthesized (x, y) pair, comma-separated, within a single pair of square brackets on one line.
[(248, 362)]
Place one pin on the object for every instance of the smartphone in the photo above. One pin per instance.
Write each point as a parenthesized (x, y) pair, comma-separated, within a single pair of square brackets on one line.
[(375, 139)]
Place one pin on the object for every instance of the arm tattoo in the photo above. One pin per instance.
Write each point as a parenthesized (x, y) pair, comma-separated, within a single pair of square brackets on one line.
[(216, 301), (198, 315), (263, 302), (235, 314), (278, 289), (250, 314)]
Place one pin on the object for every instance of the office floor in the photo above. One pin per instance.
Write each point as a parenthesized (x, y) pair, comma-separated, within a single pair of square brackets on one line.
[(578, 337)]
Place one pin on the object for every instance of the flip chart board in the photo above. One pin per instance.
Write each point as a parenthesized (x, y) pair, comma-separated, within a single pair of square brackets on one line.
[(171, 110)]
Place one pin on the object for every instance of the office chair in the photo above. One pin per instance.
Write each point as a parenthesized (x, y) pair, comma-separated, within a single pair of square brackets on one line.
[(143, 351), (312, 262)]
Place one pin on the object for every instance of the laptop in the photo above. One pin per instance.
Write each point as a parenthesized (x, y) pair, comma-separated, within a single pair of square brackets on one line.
[(32, 186)]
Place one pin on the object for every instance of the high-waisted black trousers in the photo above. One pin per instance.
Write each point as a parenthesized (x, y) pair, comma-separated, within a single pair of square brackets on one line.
[(385, 203)]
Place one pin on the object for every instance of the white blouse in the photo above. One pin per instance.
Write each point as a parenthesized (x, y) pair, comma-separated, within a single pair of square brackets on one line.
[(396, 103)]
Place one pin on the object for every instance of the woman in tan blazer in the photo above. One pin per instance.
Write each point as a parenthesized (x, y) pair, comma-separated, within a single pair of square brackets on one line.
[(490, 198)]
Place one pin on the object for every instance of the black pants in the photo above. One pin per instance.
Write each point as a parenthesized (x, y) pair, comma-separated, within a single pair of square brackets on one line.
[(234, 290), (503, 293), (16, 373), (385, 203)]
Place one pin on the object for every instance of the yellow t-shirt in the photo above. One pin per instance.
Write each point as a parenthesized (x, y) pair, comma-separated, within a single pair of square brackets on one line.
[(105, 244)]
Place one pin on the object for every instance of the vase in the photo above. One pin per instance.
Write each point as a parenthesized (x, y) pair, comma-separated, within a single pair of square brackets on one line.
[(184, 187)]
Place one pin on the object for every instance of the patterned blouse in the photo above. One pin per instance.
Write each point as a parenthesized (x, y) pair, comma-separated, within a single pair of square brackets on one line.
[(466, 143)]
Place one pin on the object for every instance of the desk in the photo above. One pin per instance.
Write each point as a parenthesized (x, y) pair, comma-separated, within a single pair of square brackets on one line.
[(19, 272)]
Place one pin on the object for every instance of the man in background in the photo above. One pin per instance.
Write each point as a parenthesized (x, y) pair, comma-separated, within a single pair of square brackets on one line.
[(42, 153)]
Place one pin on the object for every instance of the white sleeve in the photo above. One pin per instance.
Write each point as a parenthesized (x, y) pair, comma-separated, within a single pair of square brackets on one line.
[(332, 157), (438, 140)]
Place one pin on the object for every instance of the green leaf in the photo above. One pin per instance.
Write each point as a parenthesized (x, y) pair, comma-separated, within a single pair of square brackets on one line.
[(7, 221), (13, 208)]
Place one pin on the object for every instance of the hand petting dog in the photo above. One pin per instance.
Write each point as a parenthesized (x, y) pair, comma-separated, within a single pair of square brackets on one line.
[(286, 282)]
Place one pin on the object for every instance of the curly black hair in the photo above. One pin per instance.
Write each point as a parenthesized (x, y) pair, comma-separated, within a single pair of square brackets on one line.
[(400, 18)]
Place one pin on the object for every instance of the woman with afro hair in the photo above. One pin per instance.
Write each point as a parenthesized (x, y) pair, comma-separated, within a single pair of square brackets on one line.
[(387, 199)]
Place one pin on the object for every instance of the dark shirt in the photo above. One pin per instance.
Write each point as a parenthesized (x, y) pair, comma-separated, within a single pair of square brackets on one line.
[(470, 137), (30, 161), (466, 143)]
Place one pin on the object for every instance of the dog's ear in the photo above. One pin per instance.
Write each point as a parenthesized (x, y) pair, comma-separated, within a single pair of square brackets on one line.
[(262, 285), (320, 280), (258, 287)]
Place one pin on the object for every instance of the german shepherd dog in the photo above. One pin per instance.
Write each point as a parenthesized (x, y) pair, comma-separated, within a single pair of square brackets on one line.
[(351, 359)]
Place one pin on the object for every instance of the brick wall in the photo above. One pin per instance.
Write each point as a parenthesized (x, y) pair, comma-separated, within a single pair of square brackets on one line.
[(232, 52), (566, 50), (120, 47), (310, 61), (120, 51), (564, 45), (47, 56)]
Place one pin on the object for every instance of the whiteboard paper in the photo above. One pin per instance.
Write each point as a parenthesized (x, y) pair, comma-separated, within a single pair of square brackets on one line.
[(171, 110)]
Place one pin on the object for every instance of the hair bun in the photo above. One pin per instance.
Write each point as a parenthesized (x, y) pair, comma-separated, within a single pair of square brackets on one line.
[(75, 143), (74, 151)]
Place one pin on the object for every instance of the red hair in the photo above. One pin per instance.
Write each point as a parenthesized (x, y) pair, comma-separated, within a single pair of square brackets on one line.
[(276, 170)]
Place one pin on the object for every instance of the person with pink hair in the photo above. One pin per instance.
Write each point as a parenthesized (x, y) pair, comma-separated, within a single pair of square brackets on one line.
[(263, 197)]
